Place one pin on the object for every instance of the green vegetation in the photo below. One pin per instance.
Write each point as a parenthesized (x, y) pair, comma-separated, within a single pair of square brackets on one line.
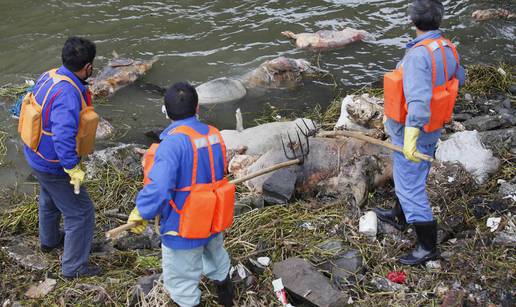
[(12, 92), (297, 229), (485, 80)]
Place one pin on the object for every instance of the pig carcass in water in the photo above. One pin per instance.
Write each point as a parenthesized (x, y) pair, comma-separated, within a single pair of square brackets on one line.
[(118, 74), (326, 39)]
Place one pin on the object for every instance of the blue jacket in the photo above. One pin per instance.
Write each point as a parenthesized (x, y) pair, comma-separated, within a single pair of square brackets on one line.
[(61, 118), (417, 86), (172, 170)]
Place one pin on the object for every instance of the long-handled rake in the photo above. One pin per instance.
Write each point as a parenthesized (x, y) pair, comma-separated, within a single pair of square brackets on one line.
[(295, 152)]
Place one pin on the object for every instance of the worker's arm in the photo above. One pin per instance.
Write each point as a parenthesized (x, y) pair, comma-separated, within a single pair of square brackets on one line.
[(163, 176), (65, 124), (417, 86)]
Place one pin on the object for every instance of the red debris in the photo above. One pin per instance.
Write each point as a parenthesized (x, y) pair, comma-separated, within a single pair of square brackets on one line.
[(397, 277)]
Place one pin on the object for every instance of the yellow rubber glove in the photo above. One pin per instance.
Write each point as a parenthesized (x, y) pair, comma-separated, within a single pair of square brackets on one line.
[(137, 218), (409, 143), (76, 177)]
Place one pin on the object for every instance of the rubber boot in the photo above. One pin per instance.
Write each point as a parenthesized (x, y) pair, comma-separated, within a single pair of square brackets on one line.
[(225, 292), (426, 248), (90, 271), (60, 244), (394, 216)]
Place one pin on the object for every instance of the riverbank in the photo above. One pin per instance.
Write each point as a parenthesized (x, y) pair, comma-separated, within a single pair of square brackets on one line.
[(477, 265)]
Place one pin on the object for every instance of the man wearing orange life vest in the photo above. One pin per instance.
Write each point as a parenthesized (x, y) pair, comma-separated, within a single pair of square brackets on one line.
[(182, 187), (419, 99), (62, 95)]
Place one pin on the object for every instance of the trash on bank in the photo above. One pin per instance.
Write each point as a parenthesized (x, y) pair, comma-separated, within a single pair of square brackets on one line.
[(368, 224), (398, 277), (493, 223), (280, 291), (466, 148)]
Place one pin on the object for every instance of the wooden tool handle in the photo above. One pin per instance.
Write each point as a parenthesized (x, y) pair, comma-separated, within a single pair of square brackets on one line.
[(116, 231), (266, 171), (113, 233), (365, 138)]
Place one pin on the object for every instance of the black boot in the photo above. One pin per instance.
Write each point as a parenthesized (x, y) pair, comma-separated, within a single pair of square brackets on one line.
[(394, 216), (90, 271), (426, 248), (60, 244), (225, 292)]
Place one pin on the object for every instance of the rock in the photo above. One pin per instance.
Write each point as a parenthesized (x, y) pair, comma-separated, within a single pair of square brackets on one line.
[(507, 190), (505, 238), (143, 286), (104, 130), (512, 89), (263, 138), (279, 187), (147, 240), (334, 169), (307, 284), (506, 103), (27, 257), (466, 148), (40, 290), (468, 97), (503, 138), (346, 266), (385, 285), (332, 246), (484, 123), (124, 157), (220, 90), (462, 117)]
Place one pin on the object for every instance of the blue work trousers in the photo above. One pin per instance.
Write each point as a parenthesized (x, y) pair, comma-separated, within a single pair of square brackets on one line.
[(56, 199), (410, 183), (183, 268)]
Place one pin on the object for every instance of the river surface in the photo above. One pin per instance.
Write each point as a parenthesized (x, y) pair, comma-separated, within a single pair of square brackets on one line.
[(202, 40)]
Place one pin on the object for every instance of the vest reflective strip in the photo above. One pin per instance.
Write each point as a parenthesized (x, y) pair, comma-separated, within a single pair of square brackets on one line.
[(435, 45), (201, 142)]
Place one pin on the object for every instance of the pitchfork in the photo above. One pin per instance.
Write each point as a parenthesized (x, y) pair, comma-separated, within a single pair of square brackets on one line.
[(360, 136), (295, 151)]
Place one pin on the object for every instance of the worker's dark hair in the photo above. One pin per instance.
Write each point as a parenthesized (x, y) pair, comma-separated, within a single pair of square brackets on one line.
[(181, 101), (427, 14), (78, 52)]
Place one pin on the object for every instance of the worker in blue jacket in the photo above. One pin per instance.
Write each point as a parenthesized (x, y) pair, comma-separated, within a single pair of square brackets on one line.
[(409, 173), (56, 165), (184, 260)]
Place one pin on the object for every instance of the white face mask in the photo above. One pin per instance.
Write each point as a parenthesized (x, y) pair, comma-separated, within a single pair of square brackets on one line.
[(164, 111)]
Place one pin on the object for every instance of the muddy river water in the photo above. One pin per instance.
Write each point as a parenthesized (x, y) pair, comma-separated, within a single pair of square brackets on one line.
[(203, 40)]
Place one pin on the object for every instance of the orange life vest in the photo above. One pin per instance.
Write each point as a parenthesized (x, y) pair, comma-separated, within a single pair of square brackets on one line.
[(30, 125), (209, 208), (443, 96)]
